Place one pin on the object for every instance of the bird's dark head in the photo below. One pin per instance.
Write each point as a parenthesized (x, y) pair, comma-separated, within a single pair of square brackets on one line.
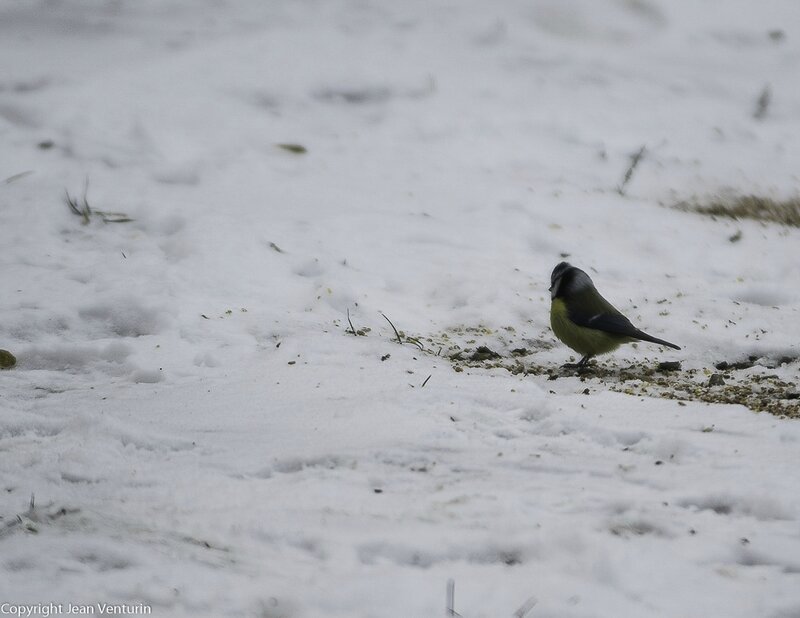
[(566, 280)]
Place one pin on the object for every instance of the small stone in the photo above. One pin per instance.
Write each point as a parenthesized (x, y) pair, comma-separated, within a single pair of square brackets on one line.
[(792, 394), (7, 359), (669, 366), (738, 365), (483, 353), (716, 380)]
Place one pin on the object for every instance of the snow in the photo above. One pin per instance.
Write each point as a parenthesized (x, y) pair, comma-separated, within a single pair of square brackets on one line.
[(201, 433)]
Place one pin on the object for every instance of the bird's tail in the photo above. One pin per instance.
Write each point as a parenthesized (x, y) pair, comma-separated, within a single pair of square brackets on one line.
[(645, 337)]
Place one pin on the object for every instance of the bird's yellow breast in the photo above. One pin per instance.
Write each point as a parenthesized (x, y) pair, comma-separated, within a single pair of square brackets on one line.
[(585, 341)]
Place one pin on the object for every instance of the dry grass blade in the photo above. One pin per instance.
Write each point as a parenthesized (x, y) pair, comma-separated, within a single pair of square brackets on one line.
[(293, 148), (635, 159), (525, 608), (400, 337), (399, 340), (762, 103), (82, 209), (416, 342), (113, 217), (17, 177), (785, 212)]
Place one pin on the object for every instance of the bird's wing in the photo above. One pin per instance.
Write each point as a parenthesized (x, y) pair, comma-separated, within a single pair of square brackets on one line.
[(597, 313), (613, 323), (616, 324)]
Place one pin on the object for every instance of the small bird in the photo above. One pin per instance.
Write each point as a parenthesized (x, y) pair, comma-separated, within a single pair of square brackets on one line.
[(586, 321)]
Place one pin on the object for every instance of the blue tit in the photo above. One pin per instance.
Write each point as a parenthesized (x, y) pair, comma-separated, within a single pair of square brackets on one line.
[(586, 321)]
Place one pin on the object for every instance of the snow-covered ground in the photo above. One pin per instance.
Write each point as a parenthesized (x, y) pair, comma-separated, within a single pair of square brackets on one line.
[(204, 437)]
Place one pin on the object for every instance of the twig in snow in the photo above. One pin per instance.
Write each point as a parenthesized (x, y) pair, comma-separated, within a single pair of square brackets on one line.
[(352, 329), (635, 159), (762, 103), (408, 339), (451, 598), (426, 381), (399, 340)]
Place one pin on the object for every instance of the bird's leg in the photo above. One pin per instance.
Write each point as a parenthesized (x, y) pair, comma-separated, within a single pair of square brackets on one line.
[(581, 365)]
